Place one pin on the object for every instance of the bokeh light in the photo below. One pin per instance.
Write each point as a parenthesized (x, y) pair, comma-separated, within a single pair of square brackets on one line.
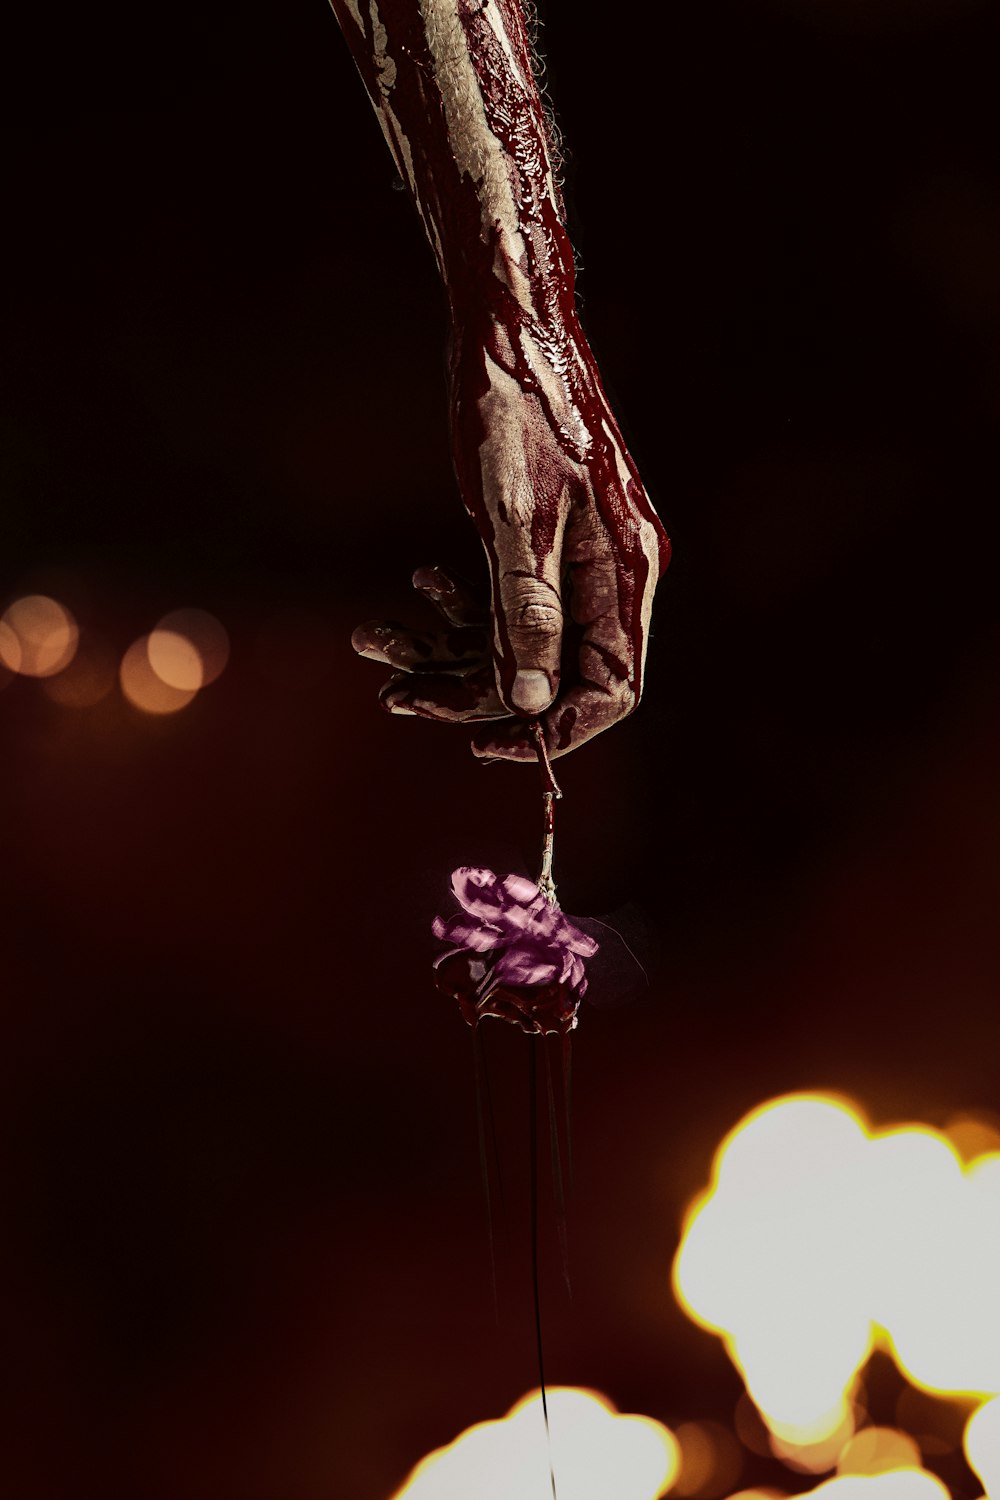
[(595, 1453), (897, 1484), (878, 1450), (940, 1230), (769, 1259), (934, 1421), (144, 688), (175, 660), (89, 677), (205, 635), (974, 1133), (39, 636), (760, 1492), (815, 1449), (818, 1238), (10, 654), (982, 1446), (710, 1460), (751, 1429)]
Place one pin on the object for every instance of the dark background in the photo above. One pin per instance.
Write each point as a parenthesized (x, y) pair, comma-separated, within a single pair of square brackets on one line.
[(243, 1241)]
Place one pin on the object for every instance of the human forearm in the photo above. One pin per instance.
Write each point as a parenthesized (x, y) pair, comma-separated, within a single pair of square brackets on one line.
[(569, 532), (453, 87)]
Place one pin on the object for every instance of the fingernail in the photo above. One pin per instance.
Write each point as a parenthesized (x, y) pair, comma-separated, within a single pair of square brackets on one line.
[(531, 692)]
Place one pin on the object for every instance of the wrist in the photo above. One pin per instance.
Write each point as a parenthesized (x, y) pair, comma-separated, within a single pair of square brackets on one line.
[(503, 294)]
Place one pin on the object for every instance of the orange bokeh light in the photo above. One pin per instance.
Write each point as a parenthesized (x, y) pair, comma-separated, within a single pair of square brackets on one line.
[(38, 636), (10, 652), (879, 1450), (144, 688), (89, 677), (974, 1133), (894, 1484), (982, 1446), (815, 1451), (205, 636), (175, 660), (711, 1460)]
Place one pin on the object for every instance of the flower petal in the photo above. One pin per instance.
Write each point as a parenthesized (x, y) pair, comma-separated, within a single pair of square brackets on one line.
[(524, 966), (579, 942), (535, 926), (477, 890), (512, 953), (449, 953), (520, 889), (481, 937)]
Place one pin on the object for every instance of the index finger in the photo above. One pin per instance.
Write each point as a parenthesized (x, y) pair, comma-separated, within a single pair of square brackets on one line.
[(453, 596)]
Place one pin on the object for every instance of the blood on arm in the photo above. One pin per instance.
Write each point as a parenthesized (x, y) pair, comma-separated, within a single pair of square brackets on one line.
[(573, 545)]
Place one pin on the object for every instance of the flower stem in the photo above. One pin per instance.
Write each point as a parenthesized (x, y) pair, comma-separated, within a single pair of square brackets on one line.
[(550, 793), (548, 779), (546, 884)]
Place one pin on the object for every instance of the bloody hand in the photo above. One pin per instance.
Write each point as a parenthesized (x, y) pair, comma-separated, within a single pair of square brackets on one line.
[(574, 552), (573, 544)]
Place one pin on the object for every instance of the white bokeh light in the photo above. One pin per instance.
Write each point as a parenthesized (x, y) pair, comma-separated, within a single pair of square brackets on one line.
[(595, 1453), (819, 1238)]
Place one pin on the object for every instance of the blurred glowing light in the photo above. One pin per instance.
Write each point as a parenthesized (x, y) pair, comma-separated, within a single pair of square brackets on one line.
[(982, 1446), (89, 677), (143, 688), (974, 1133), (878, 1450), (751, 1429), (175, 660), (206, 636), (595, 1453), (818, 1236), (770, 1259), (710, 1460), (44, 636), (936, 1422), (760, 1492), (898, 1484), (10, 653), (939, 1272), (814, 1449)]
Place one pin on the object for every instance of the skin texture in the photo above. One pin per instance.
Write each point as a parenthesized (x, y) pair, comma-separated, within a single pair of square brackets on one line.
[(573, 545)]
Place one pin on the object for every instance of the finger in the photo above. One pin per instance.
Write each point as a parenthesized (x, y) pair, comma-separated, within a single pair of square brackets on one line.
[(528, 619), (580, 714), (449, 699), (606, 692), (461, 649), (457, 599)]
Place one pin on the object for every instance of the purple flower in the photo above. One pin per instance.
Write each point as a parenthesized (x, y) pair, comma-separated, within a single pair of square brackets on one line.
[(512, 953)]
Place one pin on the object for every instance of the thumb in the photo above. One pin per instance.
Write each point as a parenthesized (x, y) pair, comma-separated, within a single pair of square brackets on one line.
[(528, 618)]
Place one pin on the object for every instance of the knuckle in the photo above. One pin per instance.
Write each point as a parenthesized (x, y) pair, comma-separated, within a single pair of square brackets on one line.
[(625, 699), (540, 619), (533, 607)]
